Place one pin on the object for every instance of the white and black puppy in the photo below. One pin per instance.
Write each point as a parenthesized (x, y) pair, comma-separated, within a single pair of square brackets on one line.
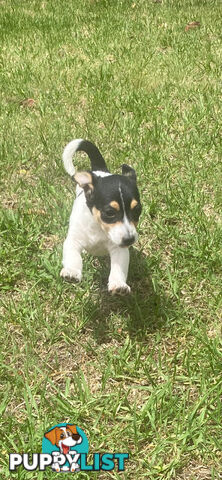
[(104, 216)]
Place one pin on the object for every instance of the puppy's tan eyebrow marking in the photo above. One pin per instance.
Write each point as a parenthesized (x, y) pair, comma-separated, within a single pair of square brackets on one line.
[(115, 205), (133, 203)]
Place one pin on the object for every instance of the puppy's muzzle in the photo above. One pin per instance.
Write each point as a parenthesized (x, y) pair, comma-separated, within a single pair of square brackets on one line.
[(127, 241)]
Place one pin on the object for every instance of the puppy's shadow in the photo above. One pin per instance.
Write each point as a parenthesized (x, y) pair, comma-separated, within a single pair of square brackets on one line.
[(144, 311)]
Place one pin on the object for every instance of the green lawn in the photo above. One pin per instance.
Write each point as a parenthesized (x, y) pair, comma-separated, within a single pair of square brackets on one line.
[(139, 374)]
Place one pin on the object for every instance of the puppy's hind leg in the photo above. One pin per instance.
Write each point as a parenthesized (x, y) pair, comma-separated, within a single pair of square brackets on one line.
[(72, 260)]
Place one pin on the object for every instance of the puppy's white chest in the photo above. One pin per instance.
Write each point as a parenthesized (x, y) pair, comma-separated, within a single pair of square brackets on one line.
[(95, 239), (85, 230), (98, 249)]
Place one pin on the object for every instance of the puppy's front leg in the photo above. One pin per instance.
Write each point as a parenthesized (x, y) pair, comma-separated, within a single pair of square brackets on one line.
[(72, 260), (119, 269), (55, 466)]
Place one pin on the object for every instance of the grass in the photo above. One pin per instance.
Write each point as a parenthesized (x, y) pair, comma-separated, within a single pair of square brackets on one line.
[(139, 374)]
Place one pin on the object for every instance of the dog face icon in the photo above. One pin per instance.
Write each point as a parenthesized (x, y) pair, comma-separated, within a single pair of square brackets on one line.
[(65, 438)]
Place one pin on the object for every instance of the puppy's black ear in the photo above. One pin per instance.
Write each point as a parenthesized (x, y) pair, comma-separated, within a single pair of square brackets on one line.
[(86, 180), (129, 172)]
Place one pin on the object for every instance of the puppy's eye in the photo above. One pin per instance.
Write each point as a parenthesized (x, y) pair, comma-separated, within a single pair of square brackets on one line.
[(62, 435), (110, 213)]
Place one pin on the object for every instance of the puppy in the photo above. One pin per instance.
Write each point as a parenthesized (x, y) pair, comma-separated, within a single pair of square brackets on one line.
[(65, 438), (104, 216)]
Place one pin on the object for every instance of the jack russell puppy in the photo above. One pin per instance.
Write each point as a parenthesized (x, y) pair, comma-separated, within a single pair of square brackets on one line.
[(104, 216), (65, 438)]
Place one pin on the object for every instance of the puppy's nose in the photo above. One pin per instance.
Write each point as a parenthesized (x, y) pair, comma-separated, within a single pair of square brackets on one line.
[(127, 241)]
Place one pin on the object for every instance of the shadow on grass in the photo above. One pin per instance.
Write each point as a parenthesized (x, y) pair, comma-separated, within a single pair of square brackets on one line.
[(143, 312)]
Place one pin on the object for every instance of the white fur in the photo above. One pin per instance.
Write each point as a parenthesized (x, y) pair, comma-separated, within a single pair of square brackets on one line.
[(68, 153), (85, 233), (125, 229)]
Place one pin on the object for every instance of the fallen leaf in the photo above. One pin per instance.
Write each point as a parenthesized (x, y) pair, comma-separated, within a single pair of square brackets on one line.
[(192, 25), (28, 103)]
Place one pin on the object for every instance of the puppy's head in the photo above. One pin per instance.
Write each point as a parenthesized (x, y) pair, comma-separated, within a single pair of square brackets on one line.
[(114, 202), (64, 437)]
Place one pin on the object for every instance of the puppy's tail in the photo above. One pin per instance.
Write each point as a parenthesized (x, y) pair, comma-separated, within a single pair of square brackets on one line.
[(97, 161)]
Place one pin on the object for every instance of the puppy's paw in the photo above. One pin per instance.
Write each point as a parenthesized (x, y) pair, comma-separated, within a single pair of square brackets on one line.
[(119, 289), (75, 467), (55, 467), (71, 275)]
